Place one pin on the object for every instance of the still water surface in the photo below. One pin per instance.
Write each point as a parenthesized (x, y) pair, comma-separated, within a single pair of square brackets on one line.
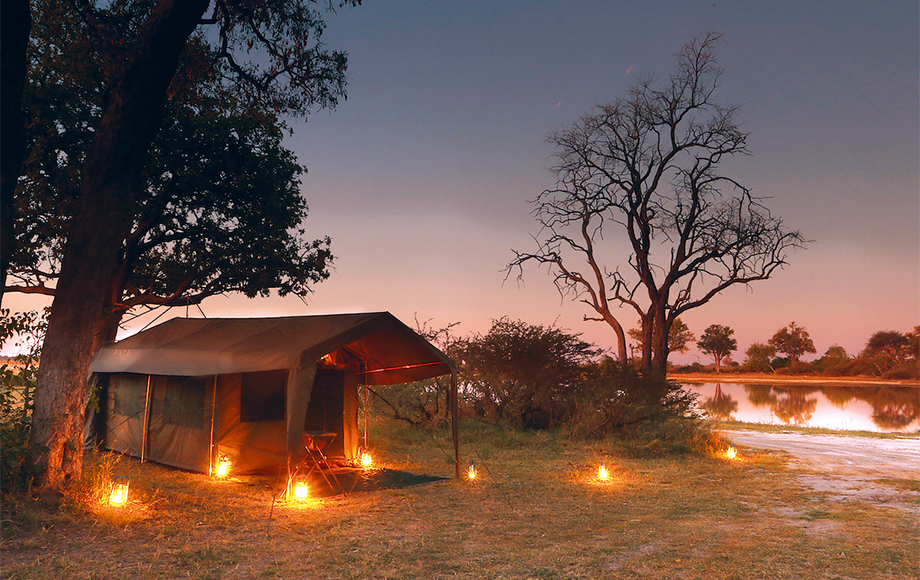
[(850, 408)]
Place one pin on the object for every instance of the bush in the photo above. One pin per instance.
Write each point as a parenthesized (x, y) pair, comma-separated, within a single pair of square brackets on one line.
[(906, 370), (691, 368), (647, 415), (422, 403), (17, 386), (799, 368), (854, 368)]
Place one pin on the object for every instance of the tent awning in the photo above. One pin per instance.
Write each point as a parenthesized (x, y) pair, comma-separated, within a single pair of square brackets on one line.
[(392, 352)]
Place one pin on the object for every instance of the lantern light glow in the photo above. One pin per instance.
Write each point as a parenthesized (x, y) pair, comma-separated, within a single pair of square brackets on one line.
[(471, 471), (602, 473), (119, 494), (731, 453), (301, 490), (223, 467), (366, 461)]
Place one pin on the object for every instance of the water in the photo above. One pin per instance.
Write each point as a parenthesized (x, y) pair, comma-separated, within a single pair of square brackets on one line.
[(850, 408)]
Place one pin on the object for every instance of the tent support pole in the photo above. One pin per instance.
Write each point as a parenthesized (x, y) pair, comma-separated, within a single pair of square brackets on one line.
[(365, 416), (455, 417), (211, 445), (146, 419)]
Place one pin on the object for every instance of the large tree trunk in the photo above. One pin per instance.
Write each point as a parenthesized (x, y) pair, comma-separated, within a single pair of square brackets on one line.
[(15, 23), (104, 217), (659, 362)]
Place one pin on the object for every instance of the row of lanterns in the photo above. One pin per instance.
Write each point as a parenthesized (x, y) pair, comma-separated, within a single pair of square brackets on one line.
[(603, 474), (299, 490)]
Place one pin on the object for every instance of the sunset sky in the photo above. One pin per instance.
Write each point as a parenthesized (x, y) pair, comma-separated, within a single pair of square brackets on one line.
[(422, 177)]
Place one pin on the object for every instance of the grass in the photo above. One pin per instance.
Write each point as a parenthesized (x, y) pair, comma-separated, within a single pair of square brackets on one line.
[(540, 515)]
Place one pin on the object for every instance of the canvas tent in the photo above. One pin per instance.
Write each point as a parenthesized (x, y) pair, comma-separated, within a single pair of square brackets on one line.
[(189, 391)]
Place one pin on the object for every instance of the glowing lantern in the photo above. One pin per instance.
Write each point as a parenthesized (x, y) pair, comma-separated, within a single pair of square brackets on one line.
[(223, 467), (731, 453), (602, 473), (471, 471), (300, 491), (119, 494), (366, 461)]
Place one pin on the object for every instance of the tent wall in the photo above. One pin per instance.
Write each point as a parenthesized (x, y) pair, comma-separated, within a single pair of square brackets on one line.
[(124, 411), (179, 423), (253, 446)]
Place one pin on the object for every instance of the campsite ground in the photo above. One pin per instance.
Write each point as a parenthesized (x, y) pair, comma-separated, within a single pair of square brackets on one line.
[(536, 512)]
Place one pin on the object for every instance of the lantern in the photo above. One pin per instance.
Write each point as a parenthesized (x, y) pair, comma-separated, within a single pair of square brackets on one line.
[(602, 473), (365, 460), (471, 471), (731, 453), (300, 490), (119, 494), (223, 467)]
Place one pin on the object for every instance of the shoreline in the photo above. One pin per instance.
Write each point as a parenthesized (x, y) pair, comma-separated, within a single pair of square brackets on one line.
[(754, 378)]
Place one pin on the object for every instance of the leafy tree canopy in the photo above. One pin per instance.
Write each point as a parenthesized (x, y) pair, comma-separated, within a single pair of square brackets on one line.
[(834, 355), (679, 336), (221, 209), (758, 357), (717, 341), (794, 341)]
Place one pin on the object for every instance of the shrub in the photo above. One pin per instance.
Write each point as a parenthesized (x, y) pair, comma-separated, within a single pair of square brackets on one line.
[(17, 386), (799, 368), (646, 414), (856, 367), (906, 370)]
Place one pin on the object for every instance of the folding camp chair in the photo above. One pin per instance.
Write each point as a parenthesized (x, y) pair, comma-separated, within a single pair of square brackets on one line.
[(313, 443)]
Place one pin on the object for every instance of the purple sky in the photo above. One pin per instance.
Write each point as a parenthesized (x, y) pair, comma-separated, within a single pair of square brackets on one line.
[(422, 176)]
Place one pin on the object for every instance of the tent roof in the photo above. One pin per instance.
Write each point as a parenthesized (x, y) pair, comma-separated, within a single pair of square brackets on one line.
[(392, 352)]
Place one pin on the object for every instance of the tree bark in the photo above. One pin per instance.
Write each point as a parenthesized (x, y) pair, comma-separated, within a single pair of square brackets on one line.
[(104, 217), (15, 24)]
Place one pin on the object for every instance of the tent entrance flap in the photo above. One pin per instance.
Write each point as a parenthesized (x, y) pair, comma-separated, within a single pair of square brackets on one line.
[(326, 410)]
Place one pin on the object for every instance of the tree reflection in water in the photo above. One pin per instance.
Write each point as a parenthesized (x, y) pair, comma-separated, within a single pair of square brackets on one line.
[(795, 407), (761, 395), (890, 408), (720, 405), (895, 408)]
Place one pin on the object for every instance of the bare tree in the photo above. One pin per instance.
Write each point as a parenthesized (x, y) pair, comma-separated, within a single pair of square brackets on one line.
[(648, 164)]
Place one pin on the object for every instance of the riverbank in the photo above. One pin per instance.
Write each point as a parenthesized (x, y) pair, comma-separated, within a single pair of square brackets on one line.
[(772, 378)]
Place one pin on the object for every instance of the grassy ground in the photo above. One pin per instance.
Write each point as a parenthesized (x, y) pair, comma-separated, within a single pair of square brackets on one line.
[(536, 512)]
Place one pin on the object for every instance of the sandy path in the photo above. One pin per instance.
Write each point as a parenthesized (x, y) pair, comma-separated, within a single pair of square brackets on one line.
[(848, 467)]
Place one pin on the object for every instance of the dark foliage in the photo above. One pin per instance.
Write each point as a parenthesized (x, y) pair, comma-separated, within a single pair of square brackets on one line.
[(17, 387)]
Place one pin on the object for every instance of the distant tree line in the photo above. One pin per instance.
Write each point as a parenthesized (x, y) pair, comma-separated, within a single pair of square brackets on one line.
[(888, 354)]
